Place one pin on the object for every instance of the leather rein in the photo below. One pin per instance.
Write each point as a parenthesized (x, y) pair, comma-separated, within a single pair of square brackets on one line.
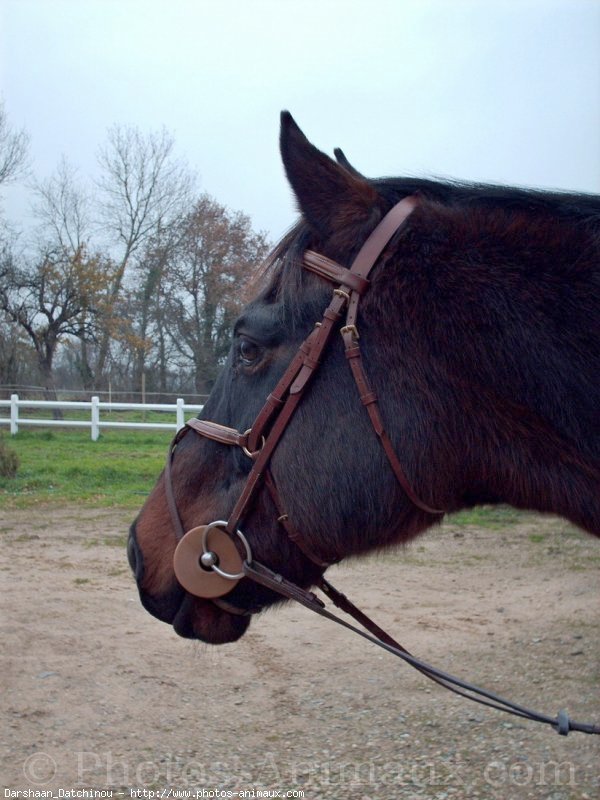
[(207, 560)]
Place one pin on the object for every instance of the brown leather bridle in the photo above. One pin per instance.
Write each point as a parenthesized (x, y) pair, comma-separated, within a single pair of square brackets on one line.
[(208, 563)]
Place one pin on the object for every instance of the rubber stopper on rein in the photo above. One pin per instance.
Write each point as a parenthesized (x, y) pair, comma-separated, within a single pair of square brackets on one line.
[(197, 555)]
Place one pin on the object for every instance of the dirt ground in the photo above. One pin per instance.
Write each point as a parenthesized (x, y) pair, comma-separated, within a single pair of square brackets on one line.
[(97, 693)]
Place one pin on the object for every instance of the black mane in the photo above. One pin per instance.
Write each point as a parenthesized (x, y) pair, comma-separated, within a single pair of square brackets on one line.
[(465, 194), (284, 280)]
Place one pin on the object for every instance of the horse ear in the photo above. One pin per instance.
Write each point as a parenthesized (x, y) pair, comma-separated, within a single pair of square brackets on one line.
[(341, 159), (330, 197)]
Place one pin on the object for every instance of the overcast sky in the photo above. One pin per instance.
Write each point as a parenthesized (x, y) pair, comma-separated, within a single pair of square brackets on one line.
[(497, 90)]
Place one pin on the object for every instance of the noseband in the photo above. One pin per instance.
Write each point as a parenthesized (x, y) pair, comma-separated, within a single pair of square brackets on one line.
[(207, 561)]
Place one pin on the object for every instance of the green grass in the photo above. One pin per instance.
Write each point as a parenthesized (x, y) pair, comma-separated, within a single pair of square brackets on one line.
[(119, 470), (537, 538), (488, 516), (65, 466)]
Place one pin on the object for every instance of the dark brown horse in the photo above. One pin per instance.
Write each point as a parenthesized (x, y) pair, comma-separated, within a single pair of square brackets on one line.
[(480, 336)]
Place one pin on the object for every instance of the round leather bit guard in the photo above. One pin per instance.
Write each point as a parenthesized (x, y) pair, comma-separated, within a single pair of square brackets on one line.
[(196, 579)]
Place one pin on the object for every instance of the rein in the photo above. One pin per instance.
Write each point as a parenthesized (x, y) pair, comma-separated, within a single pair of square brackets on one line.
[(207, 561)]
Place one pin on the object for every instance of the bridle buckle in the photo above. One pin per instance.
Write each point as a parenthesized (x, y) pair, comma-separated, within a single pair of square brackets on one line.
[(341, 293), (352, 330)]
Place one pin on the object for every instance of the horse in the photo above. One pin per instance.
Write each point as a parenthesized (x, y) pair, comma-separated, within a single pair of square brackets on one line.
[(473, 339)]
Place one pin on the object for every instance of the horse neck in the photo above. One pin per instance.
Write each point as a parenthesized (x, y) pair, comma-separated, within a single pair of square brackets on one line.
[(499, 325)]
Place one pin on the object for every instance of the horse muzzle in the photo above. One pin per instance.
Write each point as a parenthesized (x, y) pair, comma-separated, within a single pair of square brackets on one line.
[(192, 617)]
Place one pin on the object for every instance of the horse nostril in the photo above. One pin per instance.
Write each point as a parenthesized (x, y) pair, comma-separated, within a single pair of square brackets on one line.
[(134, 556)]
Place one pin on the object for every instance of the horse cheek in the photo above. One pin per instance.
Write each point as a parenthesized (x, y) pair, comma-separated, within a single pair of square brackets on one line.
[(156, 542)]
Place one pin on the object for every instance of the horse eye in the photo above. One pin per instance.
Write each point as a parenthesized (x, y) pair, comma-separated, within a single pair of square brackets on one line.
[(249, 352)]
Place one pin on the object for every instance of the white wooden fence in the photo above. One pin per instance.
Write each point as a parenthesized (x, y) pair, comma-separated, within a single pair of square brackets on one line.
[(95, 407)]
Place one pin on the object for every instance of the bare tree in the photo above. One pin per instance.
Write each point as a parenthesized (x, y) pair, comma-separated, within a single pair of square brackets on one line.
[(145, 190), (46, 296), (62, 209), (14, 146), (218, 255), (148, 301), (15, 355), (63, 212), (161, 295)]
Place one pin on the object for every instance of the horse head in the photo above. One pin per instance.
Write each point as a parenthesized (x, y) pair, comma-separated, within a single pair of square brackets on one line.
[(453, 362)]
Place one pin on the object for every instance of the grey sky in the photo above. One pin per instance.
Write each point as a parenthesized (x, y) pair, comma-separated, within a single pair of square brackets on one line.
[(498, 90)]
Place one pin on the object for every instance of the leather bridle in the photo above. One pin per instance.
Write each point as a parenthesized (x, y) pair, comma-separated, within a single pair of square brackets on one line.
[(207, 560)]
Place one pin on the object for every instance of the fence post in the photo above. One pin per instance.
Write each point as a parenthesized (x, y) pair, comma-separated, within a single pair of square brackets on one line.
[(180, 413), (14, 414), (95, 418)]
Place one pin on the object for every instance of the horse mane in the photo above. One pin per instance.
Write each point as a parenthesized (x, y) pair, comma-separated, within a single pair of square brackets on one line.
[(465, 194), (281, 278)]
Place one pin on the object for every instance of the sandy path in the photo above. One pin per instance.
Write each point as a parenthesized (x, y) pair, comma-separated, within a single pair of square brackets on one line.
[(96, 693)]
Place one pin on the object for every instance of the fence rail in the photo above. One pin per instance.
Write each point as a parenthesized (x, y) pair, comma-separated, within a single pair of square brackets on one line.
[(110, 394), (95, 407)]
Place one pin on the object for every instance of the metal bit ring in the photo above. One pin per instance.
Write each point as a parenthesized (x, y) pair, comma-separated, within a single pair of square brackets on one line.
[(220, 523)]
